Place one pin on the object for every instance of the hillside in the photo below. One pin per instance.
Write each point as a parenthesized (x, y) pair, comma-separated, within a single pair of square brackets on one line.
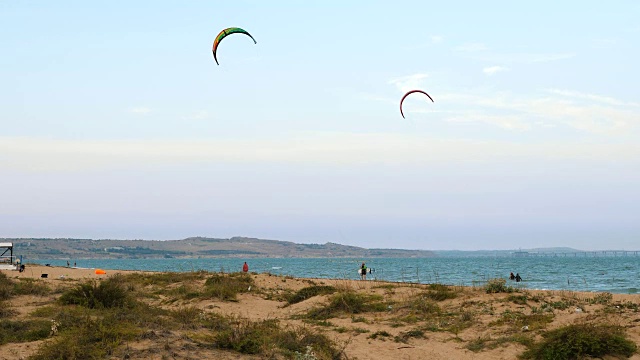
[(194, 247)]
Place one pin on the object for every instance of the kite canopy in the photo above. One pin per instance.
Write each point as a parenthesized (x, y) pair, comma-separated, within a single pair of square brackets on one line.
[(223, 34), (409, 93)]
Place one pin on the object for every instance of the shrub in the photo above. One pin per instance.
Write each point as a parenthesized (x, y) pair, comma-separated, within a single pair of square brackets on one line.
[(227, 287), (23, 331), (88, 339), (580, 341), (109, 293), (348, 302), (6, 287), (261, 337), (439, 292), (518, 299), (406, 335), (309, 292), (188, 317), (28, 286), (497, 286), (5, 310)]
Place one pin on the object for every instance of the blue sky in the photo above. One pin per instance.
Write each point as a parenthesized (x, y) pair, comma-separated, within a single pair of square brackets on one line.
[(117, 123)]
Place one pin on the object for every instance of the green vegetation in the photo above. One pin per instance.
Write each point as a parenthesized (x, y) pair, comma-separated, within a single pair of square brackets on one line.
[(309, 292), (518, 299), (581, 341), (379, 334), (227, 287), (6, 287), (348, 302), (23, 331), (516, 320), (404, 337), (267, 337), (439, 292), (109, 293), (498, 286)]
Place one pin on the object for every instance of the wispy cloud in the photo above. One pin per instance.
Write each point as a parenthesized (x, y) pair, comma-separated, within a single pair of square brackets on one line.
[(409, 82), (592, 97), (198, 115), (55, 155), (492, 70), (142, 110), (508, 122), (436, 39), (471, 47), (522, 58), (594, 114)]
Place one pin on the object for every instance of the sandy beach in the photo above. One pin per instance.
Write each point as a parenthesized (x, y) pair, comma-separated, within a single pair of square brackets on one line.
[(468, 323)]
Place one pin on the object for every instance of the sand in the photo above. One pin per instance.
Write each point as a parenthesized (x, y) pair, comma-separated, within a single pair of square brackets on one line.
[(354, 332)]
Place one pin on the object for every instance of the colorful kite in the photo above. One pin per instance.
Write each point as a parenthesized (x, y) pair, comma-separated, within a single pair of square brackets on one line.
[(223, 34), (409, 93)]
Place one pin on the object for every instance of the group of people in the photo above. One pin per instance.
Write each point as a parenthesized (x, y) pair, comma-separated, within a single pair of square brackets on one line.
[(515, 277)]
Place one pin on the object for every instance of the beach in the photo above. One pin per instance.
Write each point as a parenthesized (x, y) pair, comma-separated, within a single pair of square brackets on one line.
[(396, 320)]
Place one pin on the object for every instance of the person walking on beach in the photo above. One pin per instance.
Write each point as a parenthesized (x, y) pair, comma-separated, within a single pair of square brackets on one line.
[(363, 272), (245, 267)]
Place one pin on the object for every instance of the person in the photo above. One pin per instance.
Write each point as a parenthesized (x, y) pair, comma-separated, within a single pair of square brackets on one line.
[(67, 263), (74, 264), (245, 267), (21, 268), (512, 277), (518, 278), (363, 272)]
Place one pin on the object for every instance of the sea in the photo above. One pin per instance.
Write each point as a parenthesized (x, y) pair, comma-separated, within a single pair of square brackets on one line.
[(614, 274)]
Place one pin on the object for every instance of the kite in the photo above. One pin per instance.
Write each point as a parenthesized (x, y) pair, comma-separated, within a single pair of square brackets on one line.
[(223, 34), (409, 93)]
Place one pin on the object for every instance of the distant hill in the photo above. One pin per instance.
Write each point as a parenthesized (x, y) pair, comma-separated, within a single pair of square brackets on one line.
[(193, 247)]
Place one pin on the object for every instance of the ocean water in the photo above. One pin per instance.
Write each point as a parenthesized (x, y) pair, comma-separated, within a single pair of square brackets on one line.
[(619, 274)]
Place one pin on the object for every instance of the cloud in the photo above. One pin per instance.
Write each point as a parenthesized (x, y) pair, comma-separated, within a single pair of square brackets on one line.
[(521, 58), (198, 115), (494, 70), (597, 98), (59, 155), (142, 110), (436, 39), (589, 113), (471, 47), (508, 122), (409, 82)]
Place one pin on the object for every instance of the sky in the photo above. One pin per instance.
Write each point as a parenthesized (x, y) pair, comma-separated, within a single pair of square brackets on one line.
[(116, 122)]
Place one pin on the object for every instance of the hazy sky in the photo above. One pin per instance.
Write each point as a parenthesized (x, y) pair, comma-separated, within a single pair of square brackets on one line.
[(117, 123)]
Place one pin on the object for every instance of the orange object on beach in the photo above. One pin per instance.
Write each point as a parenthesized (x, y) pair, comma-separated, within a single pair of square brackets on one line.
[(100, 272)]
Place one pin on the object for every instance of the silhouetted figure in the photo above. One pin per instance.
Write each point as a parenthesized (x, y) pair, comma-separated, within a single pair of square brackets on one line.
[(518, 278), (512, 277), (363, 272)]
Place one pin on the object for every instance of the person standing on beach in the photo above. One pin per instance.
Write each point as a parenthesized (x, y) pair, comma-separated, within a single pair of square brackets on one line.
[(245, 267), (363, 272)]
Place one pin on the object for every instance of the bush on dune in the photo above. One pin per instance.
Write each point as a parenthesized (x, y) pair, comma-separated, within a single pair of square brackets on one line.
[(581, 341)]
